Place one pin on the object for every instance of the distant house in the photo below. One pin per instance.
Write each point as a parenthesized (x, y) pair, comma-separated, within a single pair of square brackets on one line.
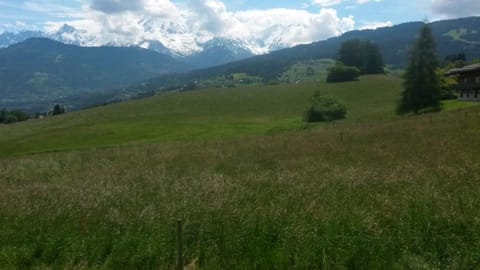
[(468, 79)]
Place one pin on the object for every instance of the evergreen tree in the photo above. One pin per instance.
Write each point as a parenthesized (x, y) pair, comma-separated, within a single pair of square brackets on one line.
[(58, 110), (364, 55), (352, 54), (3, 115), (374, 61), (421, 84)]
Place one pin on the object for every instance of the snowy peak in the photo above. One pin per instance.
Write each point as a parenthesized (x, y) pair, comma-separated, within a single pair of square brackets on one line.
[(279, 36), (167, 38), (235, 47), (69, 35), (157, 46), (175, 39), (219, 51)]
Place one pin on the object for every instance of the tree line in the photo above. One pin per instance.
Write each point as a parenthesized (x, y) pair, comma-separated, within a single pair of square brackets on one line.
[(16, 115), (355, 58), (13, 116)]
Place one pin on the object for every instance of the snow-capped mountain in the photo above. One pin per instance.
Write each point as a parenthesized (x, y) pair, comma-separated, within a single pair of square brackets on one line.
[(219, 51), (173, 39), (7, 38), (157, 46), (173, 36), (277, 37), (68, 35)]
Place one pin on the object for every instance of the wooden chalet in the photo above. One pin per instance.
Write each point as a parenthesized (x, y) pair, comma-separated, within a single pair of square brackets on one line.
[(468, 79)]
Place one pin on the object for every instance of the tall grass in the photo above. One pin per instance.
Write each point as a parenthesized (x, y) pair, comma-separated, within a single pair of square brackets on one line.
[(401, 194)]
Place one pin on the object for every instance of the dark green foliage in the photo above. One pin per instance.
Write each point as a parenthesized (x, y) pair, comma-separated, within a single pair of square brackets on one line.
[(421, 85), (364, 55), (374, 59), (20, 115), (324, 108), (58, 109), (3, 115), (9, 117), (458, 59), (342, 73), (449, 62), (446, 92)]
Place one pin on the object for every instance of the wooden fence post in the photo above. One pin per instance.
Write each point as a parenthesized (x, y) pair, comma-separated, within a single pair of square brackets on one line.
[(179, 245)]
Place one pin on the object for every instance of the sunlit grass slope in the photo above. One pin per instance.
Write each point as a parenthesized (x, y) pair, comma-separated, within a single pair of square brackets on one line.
[(399, 194), (198, 115)]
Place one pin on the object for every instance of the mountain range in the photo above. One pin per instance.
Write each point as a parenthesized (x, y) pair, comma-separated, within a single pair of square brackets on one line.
[(198, 55), (37, 72)]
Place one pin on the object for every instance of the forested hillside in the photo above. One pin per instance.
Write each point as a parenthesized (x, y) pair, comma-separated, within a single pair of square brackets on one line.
[(39, 72)]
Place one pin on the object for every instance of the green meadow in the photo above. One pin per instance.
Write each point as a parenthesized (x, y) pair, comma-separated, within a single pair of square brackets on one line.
[(255, 187), (198, 115)]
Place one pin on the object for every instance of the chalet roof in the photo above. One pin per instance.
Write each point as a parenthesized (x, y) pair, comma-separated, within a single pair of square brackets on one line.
[(465, 69)]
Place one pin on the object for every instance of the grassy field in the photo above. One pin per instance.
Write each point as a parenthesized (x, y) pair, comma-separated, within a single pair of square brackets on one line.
[(372, 192), (198, 115), (308, 71)]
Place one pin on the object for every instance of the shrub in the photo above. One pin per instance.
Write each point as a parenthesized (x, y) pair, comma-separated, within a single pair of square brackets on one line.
[(324, 108), (10, 119), (20, 115), (342, 73)]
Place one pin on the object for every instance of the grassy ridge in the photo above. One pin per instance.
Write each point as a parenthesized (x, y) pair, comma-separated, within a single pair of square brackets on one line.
[(198, 115), (392, 195)]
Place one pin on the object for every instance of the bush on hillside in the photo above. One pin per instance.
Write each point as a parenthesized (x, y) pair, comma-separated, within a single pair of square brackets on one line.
[(342, 73), (324, 108)]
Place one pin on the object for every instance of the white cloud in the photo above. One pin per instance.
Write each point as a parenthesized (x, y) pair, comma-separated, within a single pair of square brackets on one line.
[(375, 25), (327, 3), (292, 27), (21, 24), (457, 8), (184, 27), (211, 16), (366, 1)]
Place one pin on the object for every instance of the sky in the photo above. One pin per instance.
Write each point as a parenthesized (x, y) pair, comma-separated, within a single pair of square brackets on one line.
[(131, 21)]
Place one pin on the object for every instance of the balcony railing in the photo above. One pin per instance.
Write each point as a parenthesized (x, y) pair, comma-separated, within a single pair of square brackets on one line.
[(465, 86)]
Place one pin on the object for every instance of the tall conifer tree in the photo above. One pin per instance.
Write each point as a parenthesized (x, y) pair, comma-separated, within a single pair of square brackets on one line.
[(421, 84), (364, 55)]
